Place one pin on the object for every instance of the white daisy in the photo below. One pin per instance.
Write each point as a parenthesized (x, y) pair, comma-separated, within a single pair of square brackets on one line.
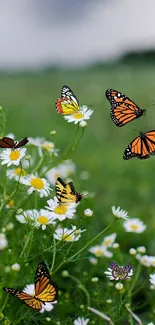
[(47, 306), (48, 146), (38, 184), (35, 141), (119, 213), (100, 251), (88, 212), (61, 211), (69, 235), (17, 173), (81, 321), (63, 170), (152, 278), (116, 272), (134, 225), (40, 218), (3, 241), (12, 157), (141, 249), (152, 260), (109, 240), (82, 115), (145, 260)]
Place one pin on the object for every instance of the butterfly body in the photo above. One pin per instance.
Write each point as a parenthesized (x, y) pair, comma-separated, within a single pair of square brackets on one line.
[(66, 192), (45, 290), (120, 272), (123, 110), (67, 104), (9, 143), (141, 147)]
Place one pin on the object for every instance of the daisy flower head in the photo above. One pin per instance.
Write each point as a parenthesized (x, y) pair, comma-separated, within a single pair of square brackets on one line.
[(63, 170), (3, 241), (145, 260), (38, 184), (116, 272), (83, 114), (12, 157), (81, 321), (40, 218), (152, 260), (46, 306), (17, 173), (119, 213), (100, 251), (109, 240), (152, 279), (49, 147), (61, 211), (69, 235), (134, 225)]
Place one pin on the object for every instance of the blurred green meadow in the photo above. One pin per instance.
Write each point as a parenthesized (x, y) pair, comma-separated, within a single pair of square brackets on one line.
[(29, 102)]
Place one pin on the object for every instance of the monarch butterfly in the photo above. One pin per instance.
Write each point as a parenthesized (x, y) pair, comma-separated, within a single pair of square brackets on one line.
[(45, 289), (141, 147), (120, 272), (123, 110), (68, 103), (7, 142), (66, 192)]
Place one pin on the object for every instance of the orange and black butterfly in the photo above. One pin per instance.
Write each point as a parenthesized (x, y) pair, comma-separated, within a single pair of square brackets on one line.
[(123, 109), (68, 103), (66, 192), (141, 147), (9, 143), (45, 289)]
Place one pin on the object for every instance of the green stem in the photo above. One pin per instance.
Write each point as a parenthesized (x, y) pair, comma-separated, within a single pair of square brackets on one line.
[(26, 243), (40, 163), (23, 317), (81, 286), (54, 255), (134, 281)]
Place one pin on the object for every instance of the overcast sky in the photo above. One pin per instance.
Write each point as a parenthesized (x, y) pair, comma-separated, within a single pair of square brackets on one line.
[(76, 32)]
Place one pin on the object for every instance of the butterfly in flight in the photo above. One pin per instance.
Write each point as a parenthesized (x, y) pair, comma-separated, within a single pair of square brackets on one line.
[(123, 109), (45, 289), (141, 147), (67, 104), (120, 272), (66, 192), (7, 142)]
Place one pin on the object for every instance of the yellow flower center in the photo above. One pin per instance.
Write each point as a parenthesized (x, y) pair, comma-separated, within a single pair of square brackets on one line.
[(99, 252), (78, 115), (20, 171), (107, 242), (60, 209), (67, 237), (47, 146), (11, 203), (37, 183), (134, 227), (14, 154), (43, 220)]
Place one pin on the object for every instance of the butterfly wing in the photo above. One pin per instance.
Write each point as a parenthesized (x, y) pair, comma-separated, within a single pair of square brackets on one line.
[(66, 192), (141, 147), (45, 289), (123, 110), (68, 103), (21, 143), (29, 300), (7, 142)]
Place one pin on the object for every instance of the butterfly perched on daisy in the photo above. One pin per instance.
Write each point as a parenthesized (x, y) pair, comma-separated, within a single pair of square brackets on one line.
[(66, 192), (68, 106), (9, 143), (141, 147), (116, 272), (123, 109), (45, 290)]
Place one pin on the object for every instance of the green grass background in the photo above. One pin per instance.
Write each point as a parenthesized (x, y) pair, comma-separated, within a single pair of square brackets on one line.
[(29, 102)]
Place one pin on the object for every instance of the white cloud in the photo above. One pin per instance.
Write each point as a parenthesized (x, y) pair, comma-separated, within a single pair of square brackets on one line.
[(105, 30)]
